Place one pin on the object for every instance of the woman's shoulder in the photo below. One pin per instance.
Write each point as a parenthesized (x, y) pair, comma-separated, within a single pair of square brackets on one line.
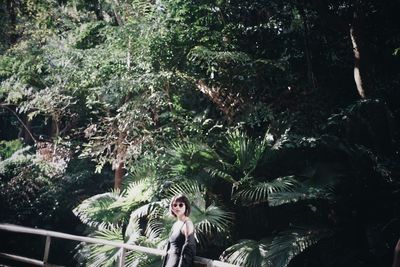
[(189, 227)]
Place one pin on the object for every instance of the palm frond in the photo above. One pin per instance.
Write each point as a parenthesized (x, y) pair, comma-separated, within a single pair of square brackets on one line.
[(238, 157), (137, 259), (159, 224), (189, 158), (300, 194), (96, 212), (246, 150), (140, 170), (213, 222), (224, 174), (104, 255), (155, 235), (137, 192), (133, 231), (283, 190), (193, 190), (247, 253), (213, 217), (286, 245), (147, 209), (260, 192), (321, 188), (277, 252)]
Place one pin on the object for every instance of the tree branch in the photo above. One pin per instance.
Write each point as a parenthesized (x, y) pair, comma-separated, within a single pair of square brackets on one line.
[(4, 106)]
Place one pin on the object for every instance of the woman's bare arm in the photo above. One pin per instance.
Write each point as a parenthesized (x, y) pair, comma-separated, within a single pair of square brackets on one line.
[(396, 259)]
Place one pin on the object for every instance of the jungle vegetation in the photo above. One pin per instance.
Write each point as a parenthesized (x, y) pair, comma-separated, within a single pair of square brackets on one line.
[(279, 119)]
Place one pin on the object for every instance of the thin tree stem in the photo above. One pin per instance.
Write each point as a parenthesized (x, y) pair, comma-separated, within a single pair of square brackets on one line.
[(19, 119)]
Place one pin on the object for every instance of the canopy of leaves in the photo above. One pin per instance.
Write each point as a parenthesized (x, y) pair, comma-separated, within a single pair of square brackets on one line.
[(250, 108)]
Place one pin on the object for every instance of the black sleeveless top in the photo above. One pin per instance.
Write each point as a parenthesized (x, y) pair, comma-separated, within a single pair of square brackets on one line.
[(180, 249), (176, 239)]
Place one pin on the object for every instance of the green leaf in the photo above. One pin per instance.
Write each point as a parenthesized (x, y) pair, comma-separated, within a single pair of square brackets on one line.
[(250, 192), (286, 245), (96, 211)]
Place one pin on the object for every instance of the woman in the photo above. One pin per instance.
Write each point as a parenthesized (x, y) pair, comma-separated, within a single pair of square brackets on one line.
[(181, 246)]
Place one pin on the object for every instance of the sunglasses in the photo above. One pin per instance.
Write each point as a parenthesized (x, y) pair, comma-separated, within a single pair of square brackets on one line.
[(178, 204)]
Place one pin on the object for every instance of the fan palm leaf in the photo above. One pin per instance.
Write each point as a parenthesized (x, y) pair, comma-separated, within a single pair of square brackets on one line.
[(277, 252), (190, 158), (139, 259), (253, 193), (136, 259), (237, 159), (133, 231), (211, 222), (158, 222), (193, 190), (154, 236), (300, 194), (283, 190), (247, 253), (104, 255), (137, 192), (158, 225), (147, 209), (286, 245), (142, 169), (153, 211), (96, 212), (247, 151)]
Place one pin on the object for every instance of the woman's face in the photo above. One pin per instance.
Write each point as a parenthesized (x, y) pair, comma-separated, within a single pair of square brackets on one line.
[(178, 208)]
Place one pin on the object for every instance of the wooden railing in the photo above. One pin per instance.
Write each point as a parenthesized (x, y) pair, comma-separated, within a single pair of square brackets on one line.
[(199, 261)]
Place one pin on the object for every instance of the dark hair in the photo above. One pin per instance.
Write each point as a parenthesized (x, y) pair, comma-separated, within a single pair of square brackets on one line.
[(180, 198)]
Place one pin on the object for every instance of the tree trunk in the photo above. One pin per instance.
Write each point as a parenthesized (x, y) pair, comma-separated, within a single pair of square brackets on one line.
[(27, 131), (116, 14), (310, 73), (55, 130), (119, 163), (119, 174), (337, 23), (356, 40), (13, 20), (97, 10)]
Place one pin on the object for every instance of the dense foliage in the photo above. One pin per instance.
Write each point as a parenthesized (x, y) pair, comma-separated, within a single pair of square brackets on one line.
[(279, 120)]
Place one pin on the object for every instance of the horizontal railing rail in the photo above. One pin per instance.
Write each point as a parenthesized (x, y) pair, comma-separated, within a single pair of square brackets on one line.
[(53, 234)]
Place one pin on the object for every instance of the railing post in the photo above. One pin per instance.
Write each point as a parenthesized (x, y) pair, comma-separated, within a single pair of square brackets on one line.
[(46, 250), (122, 258)]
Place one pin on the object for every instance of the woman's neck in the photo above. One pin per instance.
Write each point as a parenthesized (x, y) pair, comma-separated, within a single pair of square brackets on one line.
[(182, 218)]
